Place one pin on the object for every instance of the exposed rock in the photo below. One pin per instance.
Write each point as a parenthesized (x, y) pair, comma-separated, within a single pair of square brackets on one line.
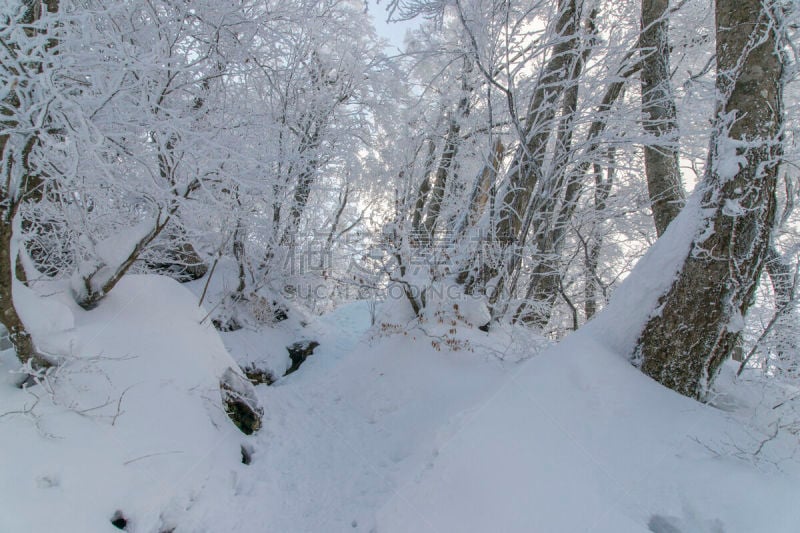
[(279, 312), (174, 256), (226, 325), (299, 352), (240, 402), (257, 376), (119, 521)]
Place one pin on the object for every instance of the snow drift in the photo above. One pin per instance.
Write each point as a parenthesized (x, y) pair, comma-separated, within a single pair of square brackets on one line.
[(129, 424)]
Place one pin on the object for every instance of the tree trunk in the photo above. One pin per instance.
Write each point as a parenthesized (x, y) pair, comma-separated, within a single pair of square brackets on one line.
[(17, 334), (659, 116), (447, 163), (18, 138), (781, 276), (239, 255), (593, 243), (422, 194), (526, 168), (701, 318)]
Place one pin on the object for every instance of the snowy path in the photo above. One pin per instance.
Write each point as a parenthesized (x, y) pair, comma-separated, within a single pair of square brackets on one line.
[(388, 435), (353, 425)]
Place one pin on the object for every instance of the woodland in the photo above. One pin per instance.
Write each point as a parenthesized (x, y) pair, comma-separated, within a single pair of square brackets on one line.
[(559, 177)]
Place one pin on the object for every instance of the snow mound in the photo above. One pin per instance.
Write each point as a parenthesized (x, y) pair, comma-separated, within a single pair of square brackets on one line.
[(579, 440), (130, 425)]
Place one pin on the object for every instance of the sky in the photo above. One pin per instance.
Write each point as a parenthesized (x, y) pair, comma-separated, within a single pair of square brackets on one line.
[(393, 31)]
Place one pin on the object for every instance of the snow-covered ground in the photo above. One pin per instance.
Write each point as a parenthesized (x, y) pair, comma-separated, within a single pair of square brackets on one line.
[(131, 421), (375, 432)]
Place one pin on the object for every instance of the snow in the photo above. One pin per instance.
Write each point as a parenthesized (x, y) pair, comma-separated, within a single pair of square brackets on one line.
[(618, 327), (580, 441), (728, 161), (383, 429), (106, 256), (116, 249), (130, 421)]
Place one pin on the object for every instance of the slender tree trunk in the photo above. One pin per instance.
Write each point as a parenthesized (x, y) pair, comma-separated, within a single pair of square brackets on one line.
[(548, 218), (593, 244), (659, 116), (18, 138), (527, 166), (422, 194), (447, 163), (479, 273), (239, 255), (443, 172), (480, 195), (781, 276), (17, 334), (326, 254), (701, 315)]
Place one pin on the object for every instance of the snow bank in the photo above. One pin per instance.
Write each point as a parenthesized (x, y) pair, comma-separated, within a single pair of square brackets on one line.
[(376, 431), (581, 441), (131, 421), (622, 321)]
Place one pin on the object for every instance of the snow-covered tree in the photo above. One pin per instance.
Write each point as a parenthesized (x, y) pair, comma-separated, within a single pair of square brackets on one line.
[(701, 316)]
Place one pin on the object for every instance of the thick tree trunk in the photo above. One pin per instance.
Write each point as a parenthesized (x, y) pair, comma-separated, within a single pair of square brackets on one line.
[(701, 317), (659, 116)]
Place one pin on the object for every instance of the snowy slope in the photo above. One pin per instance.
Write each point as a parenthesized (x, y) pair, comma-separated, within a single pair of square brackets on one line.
[(580, 441), (130, 422)]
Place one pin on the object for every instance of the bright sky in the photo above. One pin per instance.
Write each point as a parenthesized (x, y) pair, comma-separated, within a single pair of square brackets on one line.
[(393, 31)]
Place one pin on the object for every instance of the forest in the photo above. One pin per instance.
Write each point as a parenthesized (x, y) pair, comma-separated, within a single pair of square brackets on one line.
[(533, 267)]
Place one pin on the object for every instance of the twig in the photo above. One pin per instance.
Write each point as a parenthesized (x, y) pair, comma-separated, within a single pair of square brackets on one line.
[(775, 317), (129, 461)]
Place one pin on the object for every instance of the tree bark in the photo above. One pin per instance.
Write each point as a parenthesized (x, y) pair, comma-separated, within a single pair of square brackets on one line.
[(659, 116), (526, 168), (17, 333), (593, 243), (18, 138), (447, 163), (701, 318), (422, 194), (781, 275)]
